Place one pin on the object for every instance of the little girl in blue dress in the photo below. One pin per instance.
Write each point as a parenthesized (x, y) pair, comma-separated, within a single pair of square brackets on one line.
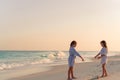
[(72, 55)]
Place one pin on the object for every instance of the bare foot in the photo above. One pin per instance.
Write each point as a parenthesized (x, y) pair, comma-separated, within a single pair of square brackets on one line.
[(100, 77), (106, 75), (74, 77), (69, 79)]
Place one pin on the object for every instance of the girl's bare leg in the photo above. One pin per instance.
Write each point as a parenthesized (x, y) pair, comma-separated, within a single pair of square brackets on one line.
[(104, 70), (69, 73), (72, 74)]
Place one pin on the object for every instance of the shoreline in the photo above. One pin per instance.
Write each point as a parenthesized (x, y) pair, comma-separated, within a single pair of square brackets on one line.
[(22, 71)]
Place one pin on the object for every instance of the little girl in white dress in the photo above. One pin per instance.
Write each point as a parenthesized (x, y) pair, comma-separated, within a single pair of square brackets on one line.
[(103, 57), (103, 53)]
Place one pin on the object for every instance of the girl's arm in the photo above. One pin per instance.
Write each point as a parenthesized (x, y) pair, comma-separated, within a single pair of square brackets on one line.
[(77, 54), (101, 56), (97, 55), (82, 58)]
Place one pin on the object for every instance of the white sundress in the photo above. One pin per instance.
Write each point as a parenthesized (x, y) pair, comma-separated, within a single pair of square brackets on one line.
[(104, 51)]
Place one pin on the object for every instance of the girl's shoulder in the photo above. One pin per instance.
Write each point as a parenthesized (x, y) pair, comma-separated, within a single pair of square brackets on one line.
[(72, 48), (104, 49)]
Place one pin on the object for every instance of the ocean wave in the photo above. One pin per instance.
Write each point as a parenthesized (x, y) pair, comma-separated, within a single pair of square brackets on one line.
[(4, 66), (42, 61), (47, 58), (61, 55), (51, 56)]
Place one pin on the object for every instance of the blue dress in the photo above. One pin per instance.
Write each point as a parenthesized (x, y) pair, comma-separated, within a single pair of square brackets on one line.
[(72, 55)]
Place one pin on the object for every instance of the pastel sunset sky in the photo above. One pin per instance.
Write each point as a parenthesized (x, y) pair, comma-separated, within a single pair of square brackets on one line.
[(53, 24)]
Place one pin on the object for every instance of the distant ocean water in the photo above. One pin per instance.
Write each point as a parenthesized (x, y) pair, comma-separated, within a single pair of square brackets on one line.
[(15, 59)]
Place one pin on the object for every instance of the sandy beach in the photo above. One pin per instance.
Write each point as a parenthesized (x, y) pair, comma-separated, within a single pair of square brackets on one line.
[(83, 71)]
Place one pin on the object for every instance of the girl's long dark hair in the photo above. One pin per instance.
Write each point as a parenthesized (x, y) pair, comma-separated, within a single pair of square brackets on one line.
[(73, 43), (104, 43)]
